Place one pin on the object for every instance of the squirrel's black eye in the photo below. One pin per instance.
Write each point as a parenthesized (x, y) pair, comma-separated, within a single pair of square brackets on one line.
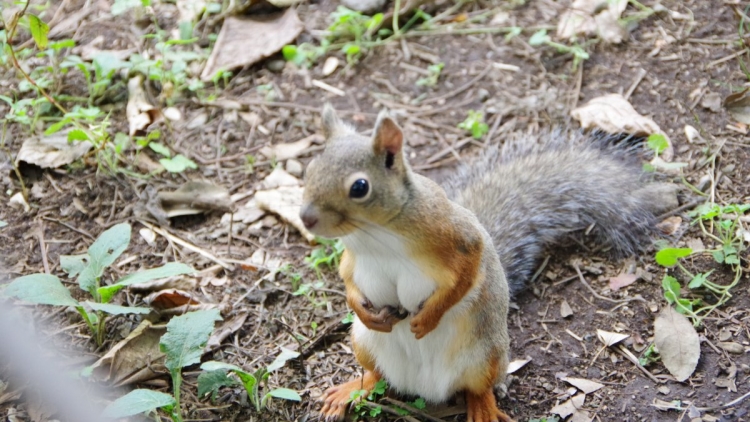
[(359, 189)]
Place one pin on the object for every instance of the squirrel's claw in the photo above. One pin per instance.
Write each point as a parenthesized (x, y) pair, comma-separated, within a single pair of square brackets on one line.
[(337, 399), (483, 408), (382, 320), (423, 323)]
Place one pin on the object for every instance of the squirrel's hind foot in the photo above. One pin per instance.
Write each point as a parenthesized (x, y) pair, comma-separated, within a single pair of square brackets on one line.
[(338, 398), (483, 408)]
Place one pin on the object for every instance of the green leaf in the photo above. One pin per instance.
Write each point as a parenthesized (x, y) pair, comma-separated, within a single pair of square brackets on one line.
[(668, 257), (289, 52), (138, 401), (282, 358), (671, 288), (418, 404), (657, 142), (160, 149), (540, 37), (39, 31), (284, 393), (186, 337), (117, 309), (178, 164), (698, 280), (168, 270), (54, 128), (213, 365), (73, 264), (211, 382), (718, 256), (732, 260), (43, 289), (380, 388), (102, 253), (77, 135), (348, 319)]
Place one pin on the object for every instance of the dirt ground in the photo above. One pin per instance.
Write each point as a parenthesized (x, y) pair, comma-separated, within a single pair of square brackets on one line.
[(670, 64)]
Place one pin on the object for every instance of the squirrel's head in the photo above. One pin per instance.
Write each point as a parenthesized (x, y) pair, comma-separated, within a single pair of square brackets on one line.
[(356, 181)]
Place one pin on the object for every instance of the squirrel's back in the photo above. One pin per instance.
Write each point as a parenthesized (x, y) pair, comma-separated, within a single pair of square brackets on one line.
[(533, 191)]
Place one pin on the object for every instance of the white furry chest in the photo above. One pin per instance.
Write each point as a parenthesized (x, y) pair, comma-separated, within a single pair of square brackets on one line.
[(384, 271)]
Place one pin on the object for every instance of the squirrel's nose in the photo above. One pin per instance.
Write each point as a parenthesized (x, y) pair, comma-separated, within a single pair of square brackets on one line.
[(309, 217)]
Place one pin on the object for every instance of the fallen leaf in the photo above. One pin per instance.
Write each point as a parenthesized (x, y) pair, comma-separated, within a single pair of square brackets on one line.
[(285, 202), (330, 65), (727, 383), (18, 201), (712, 101), (170, 298), (52, 151), (732, 347), (669, 225), (569, 407), (738, 105), (610, 339), (622, 280), (135, 358), (148, 235), (517, 364), (140, 113), (228, 327), (282, 152), (565, 309), (586, 386), (242, 42), (593, 17), (677, 342), (195, 197), (278, 178), (663, 389), (612, 113)]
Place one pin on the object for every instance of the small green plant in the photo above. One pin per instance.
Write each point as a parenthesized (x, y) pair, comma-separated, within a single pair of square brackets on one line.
[(475, 124), (649, 356), (217, 375), (328, 254), (541, 38), (725, 229), (89, 268), (547, 419), (183, 344), (432, 78), (305, 54), (348, 319), (177, 164), (362, 408)]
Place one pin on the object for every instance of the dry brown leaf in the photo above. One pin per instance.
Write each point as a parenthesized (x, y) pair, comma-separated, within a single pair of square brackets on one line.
[(569, 407), (195, 197), (132, 359), (242, 42), (52, 151), (669, 225), (140, 113), (610, 339), (565, 309), (732, 347), (282, 152), (278, 178), (612, 113), (285, 202), (228, 326), (677, 342), (169, 299), (622, 280), (586, 386), (738, 105), (517, 364), (593, 17)]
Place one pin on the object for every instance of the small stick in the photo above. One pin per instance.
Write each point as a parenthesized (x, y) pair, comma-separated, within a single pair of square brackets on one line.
[(390, 410), (460, 89), (42, 246), (629, 356), (412, 409), (597, 295), (187, 245), (62, 223), (638, 78)]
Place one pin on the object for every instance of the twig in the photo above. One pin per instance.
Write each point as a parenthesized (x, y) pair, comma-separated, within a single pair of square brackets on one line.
[(42, 246), (412, 409), (62, 223), (629, 356), (738, 400), (442, 153), (187, 245), (681, 208), (597, 295), (460, 89), (390, 410), (638, 78)]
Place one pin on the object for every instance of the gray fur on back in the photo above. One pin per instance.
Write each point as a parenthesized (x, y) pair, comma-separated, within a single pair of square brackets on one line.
[(533, 191)]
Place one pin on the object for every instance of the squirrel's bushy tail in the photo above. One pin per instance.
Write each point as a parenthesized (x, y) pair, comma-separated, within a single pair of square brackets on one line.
[(530, 193)]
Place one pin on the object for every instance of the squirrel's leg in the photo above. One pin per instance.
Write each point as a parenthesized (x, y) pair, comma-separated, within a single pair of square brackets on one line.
[(381, 320), (481, 405), (337, 399)]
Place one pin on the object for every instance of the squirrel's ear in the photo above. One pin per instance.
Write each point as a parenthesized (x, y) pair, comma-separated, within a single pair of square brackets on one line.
[(330, 121), (387, 135)]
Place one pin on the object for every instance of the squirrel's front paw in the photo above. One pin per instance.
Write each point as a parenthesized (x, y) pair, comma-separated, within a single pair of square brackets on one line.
[(381, 320), (422, 323)]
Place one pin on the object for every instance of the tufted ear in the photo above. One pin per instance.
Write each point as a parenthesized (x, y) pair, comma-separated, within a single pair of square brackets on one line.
[(388, 136), (331, 124)]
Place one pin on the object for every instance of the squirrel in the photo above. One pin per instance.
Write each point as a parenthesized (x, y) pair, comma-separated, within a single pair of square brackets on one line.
[(429, 272)]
